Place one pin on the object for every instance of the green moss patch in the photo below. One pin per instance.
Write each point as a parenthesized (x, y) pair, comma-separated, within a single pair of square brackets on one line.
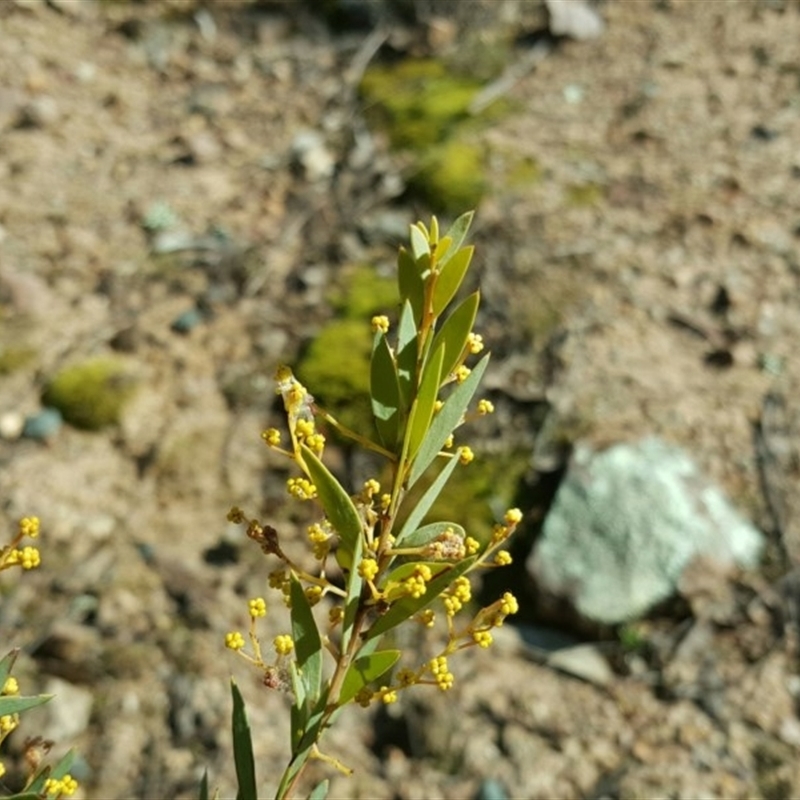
[(451, 177), (360, 293), (90, 395), (416, 101)]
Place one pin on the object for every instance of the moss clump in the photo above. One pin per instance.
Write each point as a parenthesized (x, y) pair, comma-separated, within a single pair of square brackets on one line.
[(417, 101), (451, 177), (90, 395), (335, 368), (360, 292)]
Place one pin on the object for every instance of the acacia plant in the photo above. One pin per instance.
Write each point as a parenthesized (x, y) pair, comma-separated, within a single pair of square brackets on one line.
[(380, 562), (43, 782)]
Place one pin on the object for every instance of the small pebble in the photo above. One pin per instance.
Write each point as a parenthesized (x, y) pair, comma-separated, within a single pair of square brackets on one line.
[(185, 322), (11, 425), (42, 426), (491, 789)]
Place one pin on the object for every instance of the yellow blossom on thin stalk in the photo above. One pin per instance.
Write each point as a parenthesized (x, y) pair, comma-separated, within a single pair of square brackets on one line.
[(380, 323), (272, 436), (8, 722), (283, 644), (485, 407), (10, 686), (474, 343), (258, 607), (368, 569), (29, 526)]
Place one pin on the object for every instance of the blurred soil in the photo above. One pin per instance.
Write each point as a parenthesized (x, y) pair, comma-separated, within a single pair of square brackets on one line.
[(182, 183)]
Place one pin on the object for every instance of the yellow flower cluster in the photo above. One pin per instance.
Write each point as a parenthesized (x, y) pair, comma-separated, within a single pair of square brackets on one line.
[(29, 526), (61, 787), (474, 343), (279, 579), (380, 323), (465, 455), (485, 407), (283, 644), (368, 569), (444, 678), (371, 488), (313, 594), (417, 584), (306, 432), (10, 687), (234, 640), (462, 373), (301, 488), (28, 558), (320, 540), (472, 545), (388, 695), (258, 607), (457, 595), (8, 722), (508, 605)]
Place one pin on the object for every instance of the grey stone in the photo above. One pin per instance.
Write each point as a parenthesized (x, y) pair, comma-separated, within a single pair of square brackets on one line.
[(627, 521)]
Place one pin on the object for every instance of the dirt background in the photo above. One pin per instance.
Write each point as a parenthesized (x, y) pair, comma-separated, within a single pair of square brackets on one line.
[(659, 239)]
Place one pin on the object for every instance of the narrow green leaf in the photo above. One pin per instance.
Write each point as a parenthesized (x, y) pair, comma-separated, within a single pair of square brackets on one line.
[(242, 748), (410, 283), (364, 670), (419, 242), (14, 704), (299, 711), (457, 233), (426, 501), (442, 246), (352, 602), (446, 420), (203, 793), (455, 332), (428, 533), (307, 642), (434, 234), (449, 279), (422, 409), (406, 355), (6, 665), (311, 732), (339, 508), (408, 606), (320, 791), (385, 393)]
